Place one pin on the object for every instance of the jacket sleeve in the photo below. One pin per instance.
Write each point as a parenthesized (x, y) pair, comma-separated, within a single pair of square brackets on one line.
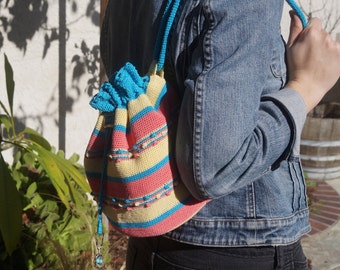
[(229, 132)]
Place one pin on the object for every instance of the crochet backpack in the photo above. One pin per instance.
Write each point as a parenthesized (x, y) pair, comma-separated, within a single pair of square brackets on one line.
[(129, 161)]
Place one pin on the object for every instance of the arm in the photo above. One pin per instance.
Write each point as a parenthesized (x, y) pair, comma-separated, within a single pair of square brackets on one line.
[(237, 135)]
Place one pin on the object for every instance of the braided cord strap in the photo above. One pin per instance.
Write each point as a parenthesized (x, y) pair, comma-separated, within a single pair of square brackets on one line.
[(298, 11), (164, 31)]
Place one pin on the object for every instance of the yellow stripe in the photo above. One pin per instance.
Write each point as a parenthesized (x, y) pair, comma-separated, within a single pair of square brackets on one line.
[(155, 86), (121, 117), (100, 122)]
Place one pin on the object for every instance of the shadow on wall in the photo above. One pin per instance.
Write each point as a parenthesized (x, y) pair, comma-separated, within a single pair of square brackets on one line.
[(24, 19)]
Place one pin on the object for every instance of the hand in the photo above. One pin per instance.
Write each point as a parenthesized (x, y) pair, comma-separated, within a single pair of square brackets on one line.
[(313, 59)]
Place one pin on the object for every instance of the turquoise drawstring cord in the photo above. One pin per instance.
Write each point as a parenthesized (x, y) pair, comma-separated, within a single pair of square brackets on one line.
[(298, 11), (164, 31)]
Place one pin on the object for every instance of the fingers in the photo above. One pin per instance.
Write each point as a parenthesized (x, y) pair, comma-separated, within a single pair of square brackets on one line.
[(295, 28)]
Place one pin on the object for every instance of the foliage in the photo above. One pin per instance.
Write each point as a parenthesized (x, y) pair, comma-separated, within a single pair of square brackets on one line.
[(46, 219)]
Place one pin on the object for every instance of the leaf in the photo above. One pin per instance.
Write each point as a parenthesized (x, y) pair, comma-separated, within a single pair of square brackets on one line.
[(50, 220), (37, 200), (10, 209), (4, 119), (9, 84), (4, 108), (31, 190), (37, 138), (29, 159), (47, 161), (74, 158), (73, 173)]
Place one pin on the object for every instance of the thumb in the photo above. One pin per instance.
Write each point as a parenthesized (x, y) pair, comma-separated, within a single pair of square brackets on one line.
[(295, 28)]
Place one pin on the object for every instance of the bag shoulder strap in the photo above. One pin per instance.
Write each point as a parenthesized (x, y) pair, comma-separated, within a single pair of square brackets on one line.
[(298, 11), (164, 31)]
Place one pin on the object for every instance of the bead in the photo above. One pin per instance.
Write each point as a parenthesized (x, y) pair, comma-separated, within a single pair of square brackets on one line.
[(98, 261)]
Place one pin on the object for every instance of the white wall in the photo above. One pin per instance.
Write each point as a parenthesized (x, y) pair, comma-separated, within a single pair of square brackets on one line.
[(37, 79)]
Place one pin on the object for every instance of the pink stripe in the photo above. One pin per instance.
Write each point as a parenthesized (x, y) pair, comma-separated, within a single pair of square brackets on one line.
[(120, 140), (147, 124), (96, 142), (138, 188)]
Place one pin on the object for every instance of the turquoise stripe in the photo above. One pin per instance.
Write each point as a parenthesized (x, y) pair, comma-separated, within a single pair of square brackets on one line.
[(120, 128), (155, 221), (160, 96), (143, 112), (154, 136), (97, 132)]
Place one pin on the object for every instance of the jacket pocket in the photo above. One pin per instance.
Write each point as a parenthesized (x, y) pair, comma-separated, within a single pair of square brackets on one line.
[(299, 186), (278, 71)]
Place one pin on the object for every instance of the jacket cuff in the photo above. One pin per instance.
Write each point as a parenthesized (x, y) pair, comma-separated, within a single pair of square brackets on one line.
[(294, 108)]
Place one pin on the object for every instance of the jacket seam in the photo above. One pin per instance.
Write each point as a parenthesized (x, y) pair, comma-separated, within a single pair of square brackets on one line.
[(198, 103)]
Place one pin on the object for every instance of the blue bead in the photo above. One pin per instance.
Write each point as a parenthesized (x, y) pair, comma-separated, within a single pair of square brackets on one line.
[(99, 260)]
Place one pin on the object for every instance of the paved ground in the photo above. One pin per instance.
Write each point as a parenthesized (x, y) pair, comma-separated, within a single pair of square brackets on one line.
[(322, 246)]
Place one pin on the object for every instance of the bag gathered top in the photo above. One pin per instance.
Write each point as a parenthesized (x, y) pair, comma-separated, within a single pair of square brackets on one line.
[(130, 161)]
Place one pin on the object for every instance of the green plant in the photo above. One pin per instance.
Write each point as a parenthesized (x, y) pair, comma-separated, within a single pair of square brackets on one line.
[(47, 220)]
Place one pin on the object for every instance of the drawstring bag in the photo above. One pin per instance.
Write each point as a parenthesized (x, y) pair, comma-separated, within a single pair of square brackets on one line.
[(129, 160)]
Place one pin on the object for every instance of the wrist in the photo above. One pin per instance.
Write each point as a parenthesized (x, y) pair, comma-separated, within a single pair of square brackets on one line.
[(310, 94)]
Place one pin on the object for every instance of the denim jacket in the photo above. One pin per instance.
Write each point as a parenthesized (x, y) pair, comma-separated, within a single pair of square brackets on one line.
[(239, 127)]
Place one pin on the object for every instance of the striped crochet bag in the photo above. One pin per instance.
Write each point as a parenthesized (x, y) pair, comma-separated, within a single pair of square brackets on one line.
[(129, 160)]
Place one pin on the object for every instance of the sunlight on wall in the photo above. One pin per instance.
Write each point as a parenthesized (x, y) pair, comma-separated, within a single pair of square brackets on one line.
[(37, 69)]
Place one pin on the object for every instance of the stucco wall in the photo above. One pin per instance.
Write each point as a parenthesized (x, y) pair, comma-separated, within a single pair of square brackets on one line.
[(38, 76), (39, 72)]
